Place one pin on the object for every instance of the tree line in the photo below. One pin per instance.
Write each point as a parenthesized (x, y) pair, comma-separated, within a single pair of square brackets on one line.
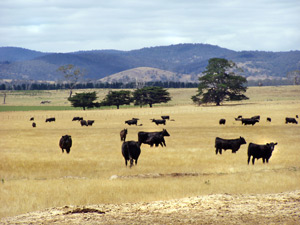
[(23, 85)]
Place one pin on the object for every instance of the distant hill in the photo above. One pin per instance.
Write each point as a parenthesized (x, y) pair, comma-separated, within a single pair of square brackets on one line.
[(148, 74), (19, 63)]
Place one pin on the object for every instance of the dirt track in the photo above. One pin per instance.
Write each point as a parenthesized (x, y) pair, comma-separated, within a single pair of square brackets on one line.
[(281, 208)]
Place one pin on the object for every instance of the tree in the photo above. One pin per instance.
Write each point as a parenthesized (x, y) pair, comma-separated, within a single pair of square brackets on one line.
[(84, 100), (71, 75), (219, 83), (294, 76), (117, 98), (150, 96)]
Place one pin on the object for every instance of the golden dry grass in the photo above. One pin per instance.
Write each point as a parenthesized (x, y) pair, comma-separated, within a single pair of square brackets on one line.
[(36, 175)]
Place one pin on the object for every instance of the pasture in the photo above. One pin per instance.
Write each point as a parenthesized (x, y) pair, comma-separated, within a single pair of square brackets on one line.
[(35, 174)]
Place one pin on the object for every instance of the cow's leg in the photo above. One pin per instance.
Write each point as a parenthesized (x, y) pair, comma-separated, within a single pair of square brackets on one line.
[(249, 157), (217, 151), (253, 159), (263, 160), (125, 162), (62, 150), (131, 162), (68, 150), (220, 151), (136, 161), (267, 160)]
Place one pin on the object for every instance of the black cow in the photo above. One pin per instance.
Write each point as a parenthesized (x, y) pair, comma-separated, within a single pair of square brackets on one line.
[(123, 134), (90, 122), (249, 121), (222, 121), (131, 151), (145, 137), (32, 119), (165, 117), (290, 120), (77, 118), (33, 124), (132, 121), (83, 123), (157, 122), (269, 119), (65, 143), (260, 151), (233, 144), (52, 119)]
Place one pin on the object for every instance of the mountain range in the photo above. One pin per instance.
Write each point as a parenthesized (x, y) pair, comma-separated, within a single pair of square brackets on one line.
[(181, 62)]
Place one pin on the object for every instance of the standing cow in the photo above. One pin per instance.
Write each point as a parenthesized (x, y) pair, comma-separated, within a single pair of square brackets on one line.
[(65, 143), (260, 151), (233, 144), (131, 151), (123, 134), (51, 119), (290, 120)]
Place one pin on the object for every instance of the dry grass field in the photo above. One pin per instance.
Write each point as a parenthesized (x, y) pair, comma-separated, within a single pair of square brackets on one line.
[(35, 174)]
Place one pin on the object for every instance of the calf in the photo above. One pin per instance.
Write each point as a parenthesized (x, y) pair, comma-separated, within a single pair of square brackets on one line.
[(147, 137), (157, 122), (233, 144), (165, 117), (269, 119), (123, 134), (290, 120), (260, 151), (33, 124), (131, 151), (156, 140), (32, 119), (65, 143), (222, 121), (52, 119)]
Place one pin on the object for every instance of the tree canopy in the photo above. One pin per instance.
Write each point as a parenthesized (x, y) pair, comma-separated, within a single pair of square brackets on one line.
[(220, 83), (84, 100), (150, 96), (117, 98)]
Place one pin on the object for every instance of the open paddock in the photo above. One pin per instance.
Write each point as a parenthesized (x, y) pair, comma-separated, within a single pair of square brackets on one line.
[(35, 174)]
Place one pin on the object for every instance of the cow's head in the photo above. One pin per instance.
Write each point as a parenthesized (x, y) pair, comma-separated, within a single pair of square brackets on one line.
[(242, 140), (271, 146), (165, 133)]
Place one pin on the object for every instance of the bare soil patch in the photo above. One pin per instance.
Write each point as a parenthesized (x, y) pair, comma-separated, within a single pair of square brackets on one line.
[(280, 208)]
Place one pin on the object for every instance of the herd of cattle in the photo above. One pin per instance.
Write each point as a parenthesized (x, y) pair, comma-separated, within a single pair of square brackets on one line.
[(131, 149)]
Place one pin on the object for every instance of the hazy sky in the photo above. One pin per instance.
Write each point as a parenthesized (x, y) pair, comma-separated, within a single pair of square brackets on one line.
[(66, 26)]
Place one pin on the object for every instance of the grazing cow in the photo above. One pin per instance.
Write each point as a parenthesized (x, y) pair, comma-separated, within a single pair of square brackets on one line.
[(233, 144), (123, 134), (290, 120), (83, 123), (131, 151), (157, 122), (255, 117), (32, 119), (165, 117), (249, 121), (222, 121), (77, 118), (65, 143), (52, 119), (260, 151), (90, 122), (145, 137), (269, 119), (33, 124), (132, 121)]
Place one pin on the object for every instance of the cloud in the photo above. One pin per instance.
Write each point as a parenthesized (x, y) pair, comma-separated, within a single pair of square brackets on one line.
[(62, 26)]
